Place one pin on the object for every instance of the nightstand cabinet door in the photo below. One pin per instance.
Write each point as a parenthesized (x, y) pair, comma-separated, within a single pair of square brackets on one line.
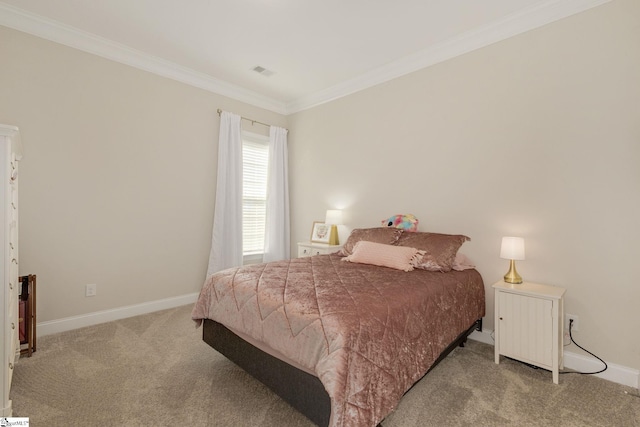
[(526, 328)]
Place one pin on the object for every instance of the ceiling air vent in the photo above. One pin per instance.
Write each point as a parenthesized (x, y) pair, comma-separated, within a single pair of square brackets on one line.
[(261, 70)]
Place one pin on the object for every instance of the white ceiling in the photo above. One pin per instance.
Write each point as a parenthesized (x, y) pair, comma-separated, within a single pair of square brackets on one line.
[(319, 50)]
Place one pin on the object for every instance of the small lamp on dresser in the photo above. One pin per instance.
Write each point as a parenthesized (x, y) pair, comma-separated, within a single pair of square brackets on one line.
[(512, 249), (333, 218)]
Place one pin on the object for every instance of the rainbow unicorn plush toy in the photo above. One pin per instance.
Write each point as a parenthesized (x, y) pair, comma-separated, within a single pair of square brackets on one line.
[(407, 222)]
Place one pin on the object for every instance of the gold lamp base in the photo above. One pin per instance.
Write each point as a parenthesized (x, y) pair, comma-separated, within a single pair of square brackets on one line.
[(333, 237), (512, 275)]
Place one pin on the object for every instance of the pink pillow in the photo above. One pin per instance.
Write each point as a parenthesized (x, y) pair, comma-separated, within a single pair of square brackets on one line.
[(378, 234), (441, 249), (398, 257)]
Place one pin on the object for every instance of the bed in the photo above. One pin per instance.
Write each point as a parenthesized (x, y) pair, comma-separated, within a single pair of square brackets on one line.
[(342, 337)]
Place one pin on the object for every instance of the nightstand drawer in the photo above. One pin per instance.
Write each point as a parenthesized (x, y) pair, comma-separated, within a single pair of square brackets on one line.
[(306, 249)]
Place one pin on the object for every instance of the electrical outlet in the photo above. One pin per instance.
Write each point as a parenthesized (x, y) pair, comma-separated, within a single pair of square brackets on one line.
[(90, 290), (576, 324)]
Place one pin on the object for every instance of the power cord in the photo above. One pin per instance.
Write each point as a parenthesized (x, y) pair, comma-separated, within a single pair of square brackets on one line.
[(584, 349)]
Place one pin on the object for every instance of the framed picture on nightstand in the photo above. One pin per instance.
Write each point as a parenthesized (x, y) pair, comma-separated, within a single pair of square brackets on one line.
[(320, 232)]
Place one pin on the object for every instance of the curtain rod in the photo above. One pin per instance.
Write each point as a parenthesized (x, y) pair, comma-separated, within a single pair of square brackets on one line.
[(249, 120)]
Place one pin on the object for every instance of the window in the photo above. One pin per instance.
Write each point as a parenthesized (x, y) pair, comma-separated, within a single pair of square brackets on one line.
[(255, 159)]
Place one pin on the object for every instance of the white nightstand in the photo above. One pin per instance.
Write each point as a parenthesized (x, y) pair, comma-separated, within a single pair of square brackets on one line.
[(529, 324), (309, 249)]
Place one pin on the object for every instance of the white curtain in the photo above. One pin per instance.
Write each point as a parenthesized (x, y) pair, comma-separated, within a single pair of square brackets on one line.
[(226, 238), (277, 244)]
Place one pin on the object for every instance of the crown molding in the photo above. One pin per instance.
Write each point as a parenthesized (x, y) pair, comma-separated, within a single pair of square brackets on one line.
[(514, 24), (517, 23), (55, 31)]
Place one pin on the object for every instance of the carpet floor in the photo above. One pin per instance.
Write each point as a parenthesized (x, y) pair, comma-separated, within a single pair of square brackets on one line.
[(155, 370)]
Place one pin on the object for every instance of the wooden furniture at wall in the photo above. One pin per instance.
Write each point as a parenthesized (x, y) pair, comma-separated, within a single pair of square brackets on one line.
[(27, 321), (529, 325), (9, 156)]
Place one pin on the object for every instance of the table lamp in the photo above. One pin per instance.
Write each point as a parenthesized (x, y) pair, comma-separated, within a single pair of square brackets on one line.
[(333, 218), (512, 249)]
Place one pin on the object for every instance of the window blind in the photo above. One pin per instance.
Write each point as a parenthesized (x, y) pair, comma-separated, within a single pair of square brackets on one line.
[(255, 158)]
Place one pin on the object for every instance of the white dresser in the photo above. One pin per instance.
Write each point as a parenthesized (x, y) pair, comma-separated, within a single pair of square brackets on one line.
[(9, 156)]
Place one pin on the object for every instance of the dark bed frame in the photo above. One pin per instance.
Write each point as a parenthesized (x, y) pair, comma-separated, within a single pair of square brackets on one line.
[(300, 389)]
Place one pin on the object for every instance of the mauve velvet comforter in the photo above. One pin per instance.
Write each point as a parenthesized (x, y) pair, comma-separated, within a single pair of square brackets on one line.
[(368, 333)]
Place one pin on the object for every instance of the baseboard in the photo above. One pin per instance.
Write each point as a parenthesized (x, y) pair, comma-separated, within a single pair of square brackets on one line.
[(577, 362), (616, 373), (485, 336), (89, 319)]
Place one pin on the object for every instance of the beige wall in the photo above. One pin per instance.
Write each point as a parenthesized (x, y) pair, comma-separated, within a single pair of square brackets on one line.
[(536, 136), (118, 178)]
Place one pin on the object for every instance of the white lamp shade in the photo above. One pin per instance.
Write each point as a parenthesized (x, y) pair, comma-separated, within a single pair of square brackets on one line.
[(512, 248), (334, 217)]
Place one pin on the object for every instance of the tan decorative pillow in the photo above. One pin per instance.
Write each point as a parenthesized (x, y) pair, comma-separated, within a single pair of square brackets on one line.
[(397, 257), (440, 249), (385, 235)]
